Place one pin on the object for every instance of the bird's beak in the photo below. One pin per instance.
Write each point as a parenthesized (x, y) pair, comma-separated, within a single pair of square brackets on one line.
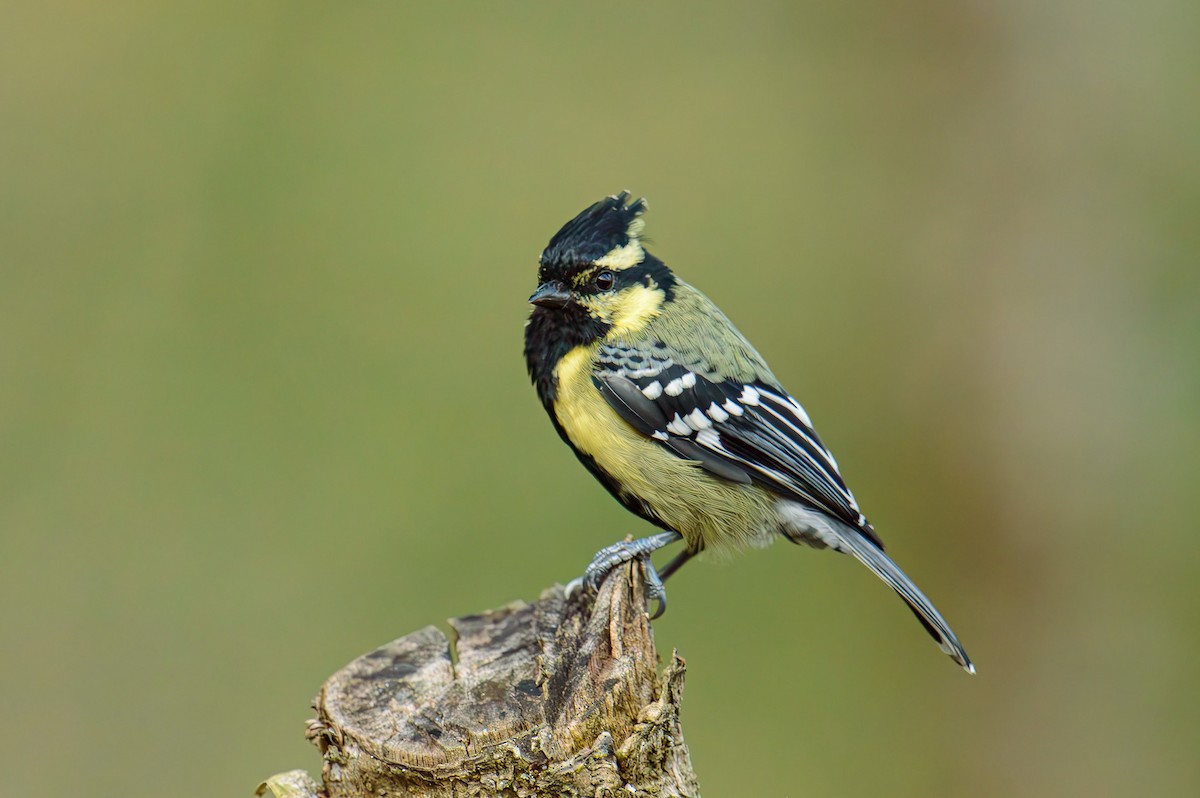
[(551, 295)]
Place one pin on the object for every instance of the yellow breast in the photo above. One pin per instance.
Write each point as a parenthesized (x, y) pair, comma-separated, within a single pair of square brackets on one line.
[(692, 501)]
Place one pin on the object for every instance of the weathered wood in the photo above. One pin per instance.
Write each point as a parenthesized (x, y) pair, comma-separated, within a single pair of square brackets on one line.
[(559, 697)]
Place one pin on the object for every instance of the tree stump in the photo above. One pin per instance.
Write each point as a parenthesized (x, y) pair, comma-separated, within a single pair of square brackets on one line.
[(556, 698)]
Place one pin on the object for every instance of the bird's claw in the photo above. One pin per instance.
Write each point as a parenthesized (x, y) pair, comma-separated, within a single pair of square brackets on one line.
[(573, 587), (656, 591), (617, 554)]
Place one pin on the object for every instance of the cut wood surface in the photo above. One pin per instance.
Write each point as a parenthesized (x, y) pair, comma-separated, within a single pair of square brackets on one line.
[(559, 697)]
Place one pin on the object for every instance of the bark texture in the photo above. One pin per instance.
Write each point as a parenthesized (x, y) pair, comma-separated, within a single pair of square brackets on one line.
[(560, 697)]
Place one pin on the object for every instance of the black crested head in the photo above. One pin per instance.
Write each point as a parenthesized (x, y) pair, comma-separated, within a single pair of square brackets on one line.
[(607, 225), (592, 261)]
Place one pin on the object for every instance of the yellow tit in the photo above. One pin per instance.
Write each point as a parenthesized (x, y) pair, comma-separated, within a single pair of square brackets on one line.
[(676, 414)]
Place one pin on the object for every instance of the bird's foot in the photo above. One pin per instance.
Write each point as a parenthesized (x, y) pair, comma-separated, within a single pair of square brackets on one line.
[(654, 588), (612, 556)]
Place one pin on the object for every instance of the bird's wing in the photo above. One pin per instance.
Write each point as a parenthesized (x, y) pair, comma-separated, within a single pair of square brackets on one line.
[(743, 432)]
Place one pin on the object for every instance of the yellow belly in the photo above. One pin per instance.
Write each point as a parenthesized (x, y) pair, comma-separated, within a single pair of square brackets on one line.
[(707, 510)]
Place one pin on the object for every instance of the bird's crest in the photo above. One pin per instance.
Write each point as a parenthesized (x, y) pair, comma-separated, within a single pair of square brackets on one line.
[(607, 234)]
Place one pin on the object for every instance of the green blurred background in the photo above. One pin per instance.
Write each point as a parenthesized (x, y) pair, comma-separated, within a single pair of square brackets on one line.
[(263, 406)]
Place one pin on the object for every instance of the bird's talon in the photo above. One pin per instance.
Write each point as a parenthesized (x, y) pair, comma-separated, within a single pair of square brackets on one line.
[(656, 591), (617, 554)]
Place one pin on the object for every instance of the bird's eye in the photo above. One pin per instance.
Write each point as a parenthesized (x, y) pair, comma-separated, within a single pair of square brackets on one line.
[(604, 280)]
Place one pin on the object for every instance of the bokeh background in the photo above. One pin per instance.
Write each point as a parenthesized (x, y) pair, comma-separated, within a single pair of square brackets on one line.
[(263, 270)]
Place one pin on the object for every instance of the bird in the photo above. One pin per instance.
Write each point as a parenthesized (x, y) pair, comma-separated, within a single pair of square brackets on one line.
[(678, 416)]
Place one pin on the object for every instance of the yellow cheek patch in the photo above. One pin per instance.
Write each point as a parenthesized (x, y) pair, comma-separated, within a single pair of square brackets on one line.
[(633, 308), (627, 311)]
